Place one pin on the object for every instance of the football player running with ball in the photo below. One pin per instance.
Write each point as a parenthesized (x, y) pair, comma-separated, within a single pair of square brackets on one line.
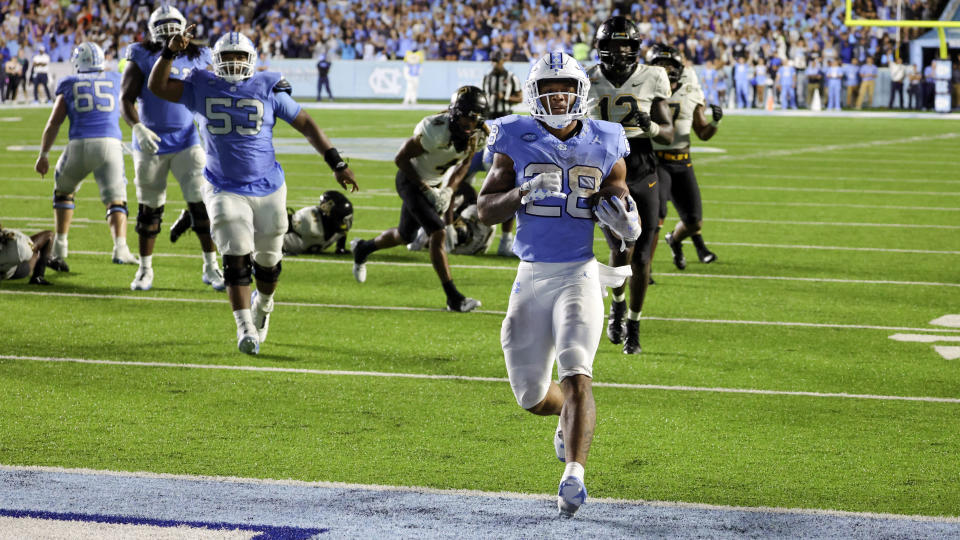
[(546, 171), (623, 90), (164, 141), (677, 179), (440, 142), (245, 193), (89, 98)]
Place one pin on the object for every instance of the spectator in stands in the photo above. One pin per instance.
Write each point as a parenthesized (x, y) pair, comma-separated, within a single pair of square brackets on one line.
[(897, 74), (814, 77), (39, 75), (834, 75), (914, 91), (868, 76), (851, 80), (14, 71)]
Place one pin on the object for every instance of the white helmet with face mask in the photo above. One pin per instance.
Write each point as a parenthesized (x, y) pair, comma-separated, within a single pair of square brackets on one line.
[(556, 66)]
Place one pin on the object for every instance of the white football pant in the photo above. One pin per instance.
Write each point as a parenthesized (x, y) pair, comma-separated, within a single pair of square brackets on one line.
[(243, 224), (102, 156), (555, 312), (152, 170)]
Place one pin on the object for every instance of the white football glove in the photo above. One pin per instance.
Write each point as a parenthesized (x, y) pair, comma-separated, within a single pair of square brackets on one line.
[(443, 199), (149, 141), (620, 218), (542, 186)]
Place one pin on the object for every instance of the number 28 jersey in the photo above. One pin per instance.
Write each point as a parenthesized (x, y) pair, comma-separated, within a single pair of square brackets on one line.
[(93, 104), (236, 122), (558, 230)]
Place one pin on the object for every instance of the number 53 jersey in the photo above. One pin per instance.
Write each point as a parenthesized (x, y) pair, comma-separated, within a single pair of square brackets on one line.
[(236, 122), (558, 230)]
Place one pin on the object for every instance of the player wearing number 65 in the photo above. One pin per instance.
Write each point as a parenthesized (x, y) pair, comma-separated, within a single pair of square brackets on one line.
[(245, 194), (90, 98), (546, 170)]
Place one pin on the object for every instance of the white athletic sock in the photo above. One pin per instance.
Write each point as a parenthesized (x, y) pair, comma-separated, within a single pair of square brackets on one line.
[(210, 259), (633, 315), (265, 300), (120, 242), (243, 316), (60, 245), (573, 469), (620, 297), (146, 261)]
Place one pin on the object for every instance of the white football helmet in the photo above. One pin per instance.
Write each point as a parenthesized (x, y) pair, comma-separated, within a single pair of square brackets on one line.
[(165, 22), (87, 57), (552, 66), (234, 70)]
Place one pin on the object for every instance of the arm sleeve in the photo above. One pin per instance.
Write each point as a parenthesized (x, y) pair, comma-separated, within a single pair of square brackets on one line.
[(285, 107)]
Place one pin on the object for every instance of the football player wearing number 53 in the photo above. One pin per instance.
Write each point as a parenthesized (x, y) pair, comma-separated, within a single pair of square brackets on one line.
[(90, 98), (245, 194), (546, 170), (623, 90)]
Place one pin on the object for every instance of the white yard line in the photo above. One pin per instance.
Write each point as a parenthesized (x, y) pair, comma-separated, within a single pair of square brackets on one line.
[(800, 324), (424, 376), (828, 148), (834, 205), (830, 190), (836, 248)]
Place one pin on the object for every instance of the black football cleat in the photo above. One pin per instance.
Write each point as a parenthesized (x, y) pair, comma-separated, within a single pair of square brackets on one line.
[(631, 345), (678, 259), (39, 280), (615, 322), (58, 264), (181, 225)]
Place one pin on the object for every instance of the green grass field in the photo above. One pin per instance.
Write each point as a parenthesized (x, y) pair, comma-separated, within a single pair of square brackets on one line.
[(833, 234)]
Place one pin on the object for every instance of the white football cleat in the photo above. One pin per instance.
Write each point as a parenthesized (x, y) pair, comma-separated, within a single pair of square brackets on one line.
[(558, 444), (466, 305), (261, 315), (143, 280), (247, 340), (420, 241), (359, 269), (123, 256), (571, 495), (213, 277)]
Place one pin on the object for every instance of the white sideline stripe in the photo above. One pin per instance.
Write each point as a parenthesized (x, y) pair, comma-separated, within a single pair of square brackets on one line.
[(483, 311), (336, 372), (827, 148), (836, 248), (468, 493), (922, 338), (829, 190), (866, 178), (834, 205), (514, 269)]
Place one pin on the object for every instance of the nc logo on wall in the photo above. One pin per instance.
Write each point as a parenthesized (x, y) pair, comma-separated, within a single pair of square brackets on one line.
[(386, 81)]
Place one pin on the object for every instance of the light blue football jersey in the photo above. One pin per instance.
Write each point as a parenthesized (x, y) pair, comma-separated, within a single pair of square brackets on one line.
[(558, 230), (236, 122), (171, 121), (93, 104)]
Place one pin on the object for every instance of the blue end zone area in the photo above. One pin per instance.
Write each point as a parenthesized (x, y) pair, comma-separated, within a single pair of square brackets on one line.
[(267, 532)]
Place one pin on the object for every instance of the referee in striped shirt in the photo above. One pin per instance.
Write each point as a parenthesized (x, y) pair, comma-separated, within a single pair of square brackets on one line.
[(502, 88), (503, 92)]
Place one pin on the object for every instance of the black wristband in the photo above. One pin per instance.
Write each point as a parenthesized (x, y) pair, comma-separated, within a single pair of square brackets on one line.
[(167, 53), (333, 159)]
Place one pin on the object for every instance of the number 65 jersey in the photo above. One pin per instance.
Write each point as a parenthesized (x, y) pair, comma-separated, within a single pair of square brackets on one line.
[(236, 122), (558, 230)]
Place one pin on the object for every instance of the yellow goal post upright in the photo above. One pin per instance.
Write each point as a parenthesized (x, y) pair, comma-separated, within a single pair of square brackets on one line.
[(848, 20)]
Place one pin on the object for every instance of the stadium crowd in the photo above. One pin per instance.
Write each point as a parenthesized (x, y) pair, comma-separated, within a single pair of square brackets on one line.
[(710, 33)]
